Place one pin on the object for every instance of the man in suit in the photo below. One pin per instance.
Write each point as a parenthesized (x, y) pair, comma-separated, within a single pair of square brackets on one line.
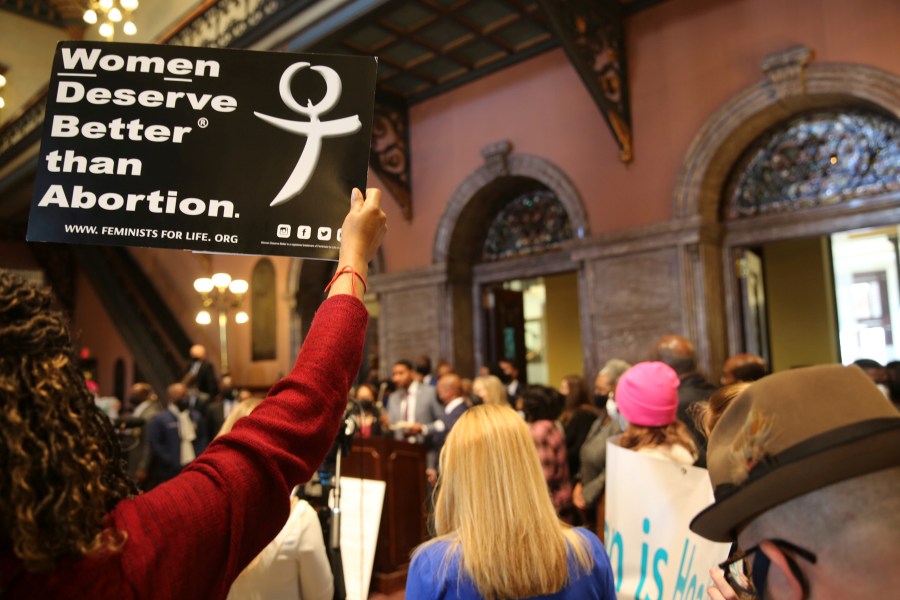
[(413, 406), (449, 392), (678, 352), (176, 435), (219, 409), (203, 372)]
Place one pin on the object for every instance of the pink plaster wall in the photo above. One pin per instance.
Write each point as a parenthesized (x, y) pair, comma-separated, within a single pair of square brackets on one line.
[(92, 327), (174, 272), (686, 59)]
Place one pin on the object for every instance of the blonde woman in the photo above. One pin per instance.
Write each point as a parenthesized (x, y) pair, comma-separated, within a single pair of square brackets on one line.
[(498, 535), (489, 390), (294, 566)]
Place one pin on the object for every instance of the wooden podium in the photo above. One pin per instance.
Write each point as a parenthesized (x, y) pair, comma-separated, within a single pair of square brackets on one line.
[(401, 466)]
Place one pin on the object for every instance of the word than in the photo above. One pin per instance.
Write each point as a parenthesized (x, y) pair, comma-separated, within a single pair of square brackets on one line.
[(99, 165)]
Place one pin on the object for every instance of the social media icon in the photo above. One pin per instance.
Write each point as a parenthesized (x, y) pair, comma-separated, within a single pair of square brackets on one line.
[(324, 233), (304, 231), (283, 231)]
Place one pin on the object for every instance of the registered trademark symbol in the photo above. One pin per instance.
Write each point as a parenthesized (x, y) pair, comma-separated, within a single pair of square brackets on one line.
[(203, 122)]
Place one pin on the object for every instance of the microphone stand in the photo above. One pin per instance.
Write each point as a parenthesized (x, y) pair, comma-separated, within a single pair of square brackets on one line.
[(343, 442)]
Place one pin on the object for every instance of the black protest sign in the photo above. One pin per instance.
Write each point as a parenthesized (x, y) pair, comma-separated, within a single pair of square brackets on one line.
[(201, 149)]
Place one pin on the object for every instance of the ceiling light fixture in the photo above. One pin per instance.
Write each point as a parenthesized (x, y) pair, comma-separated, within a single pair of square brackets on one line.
[(108, 13)]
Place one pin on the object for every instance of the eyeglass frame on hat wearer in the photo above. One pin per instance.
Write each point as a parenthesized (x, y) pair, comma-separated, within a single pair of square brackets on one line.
[(759, 574)]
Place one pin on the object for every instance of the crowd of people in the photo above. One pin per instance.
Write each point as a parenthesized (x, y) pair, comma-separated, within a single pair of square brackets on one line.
[(804, 466)]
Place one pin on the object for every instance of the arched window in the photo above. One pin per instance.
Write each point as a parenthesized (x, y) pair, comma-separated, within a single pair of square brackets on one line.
[(814, 159), (533, 222), (262, 310)]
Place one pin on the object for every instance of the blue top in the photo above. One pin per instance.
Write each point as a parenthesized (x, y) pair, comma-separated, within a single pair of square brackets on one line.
[(428, 581)]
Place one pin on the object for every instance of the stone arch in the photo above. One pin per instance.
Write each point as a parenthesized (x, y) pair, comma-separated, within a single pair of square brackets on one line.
[(505, 173), (791, 86), (306, 281)]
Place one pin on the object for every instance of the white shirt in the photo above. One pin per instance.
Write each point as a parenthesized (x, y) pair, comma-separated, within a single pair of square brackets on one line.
[(293, 566), (453, 404), (408, 404)]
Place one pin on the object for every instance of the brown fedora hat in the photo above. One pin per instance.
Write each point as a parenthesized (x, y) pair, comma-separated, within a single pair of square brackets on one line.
[(791, 433)]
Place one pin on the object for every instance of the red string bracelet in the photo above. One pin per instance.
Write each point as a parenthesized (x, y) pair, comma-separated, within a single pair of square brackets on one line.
[(348, 269)]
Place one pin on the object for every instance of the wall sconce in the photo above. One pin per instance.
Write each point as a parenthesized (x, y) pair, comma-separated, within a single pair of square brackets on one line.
[(109, 13), (222, 294)]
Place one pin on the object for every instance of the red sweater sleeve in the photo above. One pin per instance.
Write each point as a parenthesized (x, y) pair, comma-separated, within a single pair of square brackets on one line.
[(190, 537)]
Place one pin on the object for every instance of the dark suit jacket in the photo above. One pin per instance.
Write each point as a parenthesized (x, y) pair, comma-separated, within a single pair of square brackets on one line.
[(449, 419), (215, 416), (165, 446), (207, 381), (694, 388)]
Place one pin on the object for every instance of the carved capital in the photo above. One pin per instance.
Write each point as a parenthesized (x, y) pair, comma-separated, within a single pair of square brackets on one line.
[(786, 71), (496, 157)]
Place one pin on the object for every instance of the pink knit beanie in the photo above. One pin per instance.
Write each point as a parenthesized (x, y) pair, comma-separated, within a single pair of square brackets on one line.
[(647, 394)]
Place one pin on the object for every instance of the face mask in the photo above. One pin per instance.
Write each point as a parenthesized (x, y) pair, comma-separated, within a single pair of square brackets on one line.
[(422, 370), (505, 378), (182, 404), (613, 410), (600, 400), (366, 405), (476, 399)]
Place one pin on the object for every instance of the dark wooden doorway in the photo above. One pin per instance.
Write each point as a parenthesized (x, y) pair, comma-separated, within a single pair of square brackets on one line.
[(504, 326)]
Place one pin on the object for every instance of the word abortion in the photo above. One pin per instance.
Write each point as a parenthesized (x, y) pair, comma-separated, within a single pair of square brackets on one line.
[(154, 202)]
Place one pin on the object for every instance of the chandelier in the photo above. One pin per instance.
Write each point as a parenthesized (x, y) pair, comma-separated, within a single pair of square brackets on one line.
[(109, 13)]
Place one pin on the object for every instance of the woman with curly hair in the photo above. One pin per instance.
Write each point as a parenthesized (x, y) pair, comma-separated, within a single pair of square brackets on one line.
[(71, 524), (498, 534)]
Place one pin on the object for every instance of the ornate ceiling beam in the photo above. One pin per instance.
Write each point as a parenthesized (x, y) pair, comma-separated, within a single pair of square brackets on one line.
[(389, 154), (593, 35)]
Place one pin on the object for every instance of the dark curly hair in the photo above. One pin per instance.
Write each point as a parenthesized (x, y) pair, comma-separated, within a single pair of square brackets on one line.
[(61, 470)]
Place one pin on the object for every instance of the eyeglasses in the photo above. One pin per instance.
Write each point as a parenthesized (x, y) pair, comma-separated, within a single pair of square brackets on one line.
[(746, 572)]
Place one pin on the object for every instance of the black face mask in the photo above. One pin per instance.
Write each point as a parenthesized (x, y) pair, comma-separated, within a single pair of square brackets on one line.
[(366, 405), (600, 400), (476, 399), (505, 378), (423, 370), (182, 404)]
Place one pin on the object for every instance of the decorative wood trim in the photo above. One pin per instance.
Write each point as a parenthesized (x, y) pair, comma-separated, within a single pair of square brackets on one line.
[(390, 158), (24, 129), (593, 35)]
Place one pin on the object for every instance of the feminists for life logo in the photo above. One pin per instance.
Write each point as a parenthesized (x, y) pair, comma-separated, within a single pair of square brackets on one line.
[(314, 129)]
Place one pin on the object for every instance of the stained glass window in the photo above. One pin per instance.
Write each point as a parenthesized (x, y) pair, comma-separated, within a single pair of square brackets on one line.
[(815, 159), (532, 223)]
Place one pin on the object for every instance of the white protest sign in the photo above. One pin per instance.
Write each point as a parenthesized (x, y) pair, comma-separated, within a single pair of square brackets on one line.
[(361, 504), (649, 504), (202, 149)]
